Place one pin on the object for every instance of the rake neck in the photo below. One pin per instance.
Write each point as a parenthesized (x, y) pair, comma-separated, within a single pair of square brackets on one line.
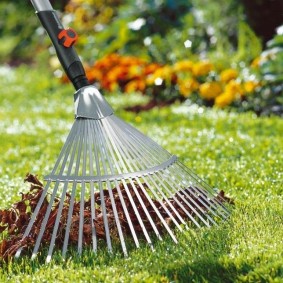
[(90, 104)]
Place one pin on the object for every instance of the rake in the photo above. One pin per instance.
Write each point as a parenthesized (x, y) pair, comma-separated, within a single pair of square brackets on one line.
[(136, 188)]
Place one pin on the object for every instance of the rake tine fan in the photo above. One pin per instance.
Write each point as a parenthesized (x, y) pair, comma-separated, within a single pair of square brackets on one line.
[(110, 181)]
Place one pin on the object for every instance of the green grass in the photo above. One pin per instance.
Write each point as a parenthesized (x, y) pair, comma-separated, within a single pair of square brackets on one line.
[(239, 153)]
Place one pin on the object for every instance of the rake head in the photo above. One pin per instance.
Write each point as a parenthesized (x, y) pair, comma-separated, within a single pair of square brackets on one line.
[(112, 182)]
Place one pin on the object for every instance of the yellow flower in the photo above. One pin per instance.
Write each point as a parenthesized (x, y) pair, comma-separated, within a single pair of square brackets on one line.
[(224, 99), (150, 80), (183, 66), (228, 75), (202, 68), (234, 88), (138, 119), (250, 86), (186, 87), (256, 62), (210, 90), (163, 73), (135, 85)]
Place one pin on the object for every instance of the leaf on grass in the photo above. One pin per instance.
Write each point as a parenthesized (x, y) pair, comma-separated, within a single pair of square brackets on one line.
[(16, 219)]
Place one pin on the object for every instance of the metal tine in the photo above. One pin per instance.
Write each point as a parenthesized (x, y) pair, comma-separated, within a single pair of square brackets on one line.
[(131, 158), (152, 144), (77, 154), (134, 134), (116, 216), (81, 223), (118, 151), (135, 153), (210, 206), (82, 202), (190, 216), (103, 207), (156, 210), (178, 202), (145, 146), (157, 149), (147, 237), (48, 211), (33, 217), (211, 203), (69, 141), (128, 193), (192, 201), (92, 201), (119, 191), (167, 180), (181, 189), (46, 217), (209, 199), (60, 208), (201, 210), (209, 190), (153, 192), (70, 214), (67, 144)]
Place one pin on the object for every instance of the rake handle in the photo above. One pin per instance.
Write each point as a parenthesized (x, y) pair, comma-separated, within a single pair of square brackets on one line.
[(63, 40)]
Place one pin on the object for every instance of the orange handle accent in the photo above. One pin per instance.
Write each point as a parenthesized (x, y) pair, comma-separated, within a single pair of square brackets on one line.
[(67, 37)]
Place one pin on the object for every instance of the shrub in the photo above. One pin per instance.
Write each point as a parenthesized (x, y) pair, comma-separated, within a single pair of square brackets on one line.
[(268, 68)]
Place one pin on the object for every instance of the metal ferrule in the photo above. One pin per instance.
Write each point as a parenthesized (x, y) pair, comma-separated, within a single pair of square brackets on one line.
[(41, 5), (90, 104)]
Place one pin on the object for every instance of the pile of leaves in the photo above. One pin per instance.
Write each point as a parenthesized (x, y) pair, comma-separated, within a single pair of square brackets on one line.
[(14, 221)]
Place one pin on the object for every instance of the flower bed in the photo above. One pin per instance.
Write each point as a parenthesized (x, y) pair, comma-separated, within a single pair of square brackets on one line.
[(199, 81)]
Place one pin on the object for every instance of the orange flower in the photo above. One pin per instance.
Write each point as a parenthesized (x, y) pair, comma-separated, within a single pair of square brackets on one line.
[(151, 68), (130, 60), (93, 74), (228, 75), (117, 73), (135, 85), (210, 90)]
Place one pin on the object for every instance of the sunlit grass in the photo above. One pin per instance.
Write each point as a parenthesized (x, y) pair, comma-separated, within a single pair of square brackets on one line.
[(239, 153)]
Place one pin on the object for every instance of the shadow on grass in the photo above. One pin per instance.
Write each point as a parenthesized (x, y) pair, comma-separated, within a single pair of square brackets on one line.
[(197, 258)]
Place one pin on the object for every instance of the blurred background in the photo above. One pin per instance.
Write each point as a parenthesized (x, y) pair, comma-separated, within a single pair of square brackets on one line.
[(216, 53)]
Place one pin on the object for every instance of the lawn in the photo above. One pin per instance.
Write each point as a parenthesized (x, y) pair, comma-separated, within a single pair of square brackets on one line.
[(239, 153)]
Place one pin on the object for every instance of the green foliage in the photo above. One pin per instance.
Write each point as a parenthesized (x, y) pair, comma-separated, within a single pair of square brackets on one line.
[(156, 30), (16, 32), (249, 45), (134, 26), (268, 98), (239, 153)]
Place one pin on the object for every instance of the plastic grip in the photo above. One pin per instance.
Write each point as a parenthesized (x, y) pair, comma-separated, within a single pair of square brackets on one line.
[(66, 55)]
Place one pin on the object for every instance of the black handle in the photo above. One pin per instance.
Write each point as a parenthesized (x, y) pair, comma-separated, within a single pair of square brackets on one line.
[(62, 41)]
